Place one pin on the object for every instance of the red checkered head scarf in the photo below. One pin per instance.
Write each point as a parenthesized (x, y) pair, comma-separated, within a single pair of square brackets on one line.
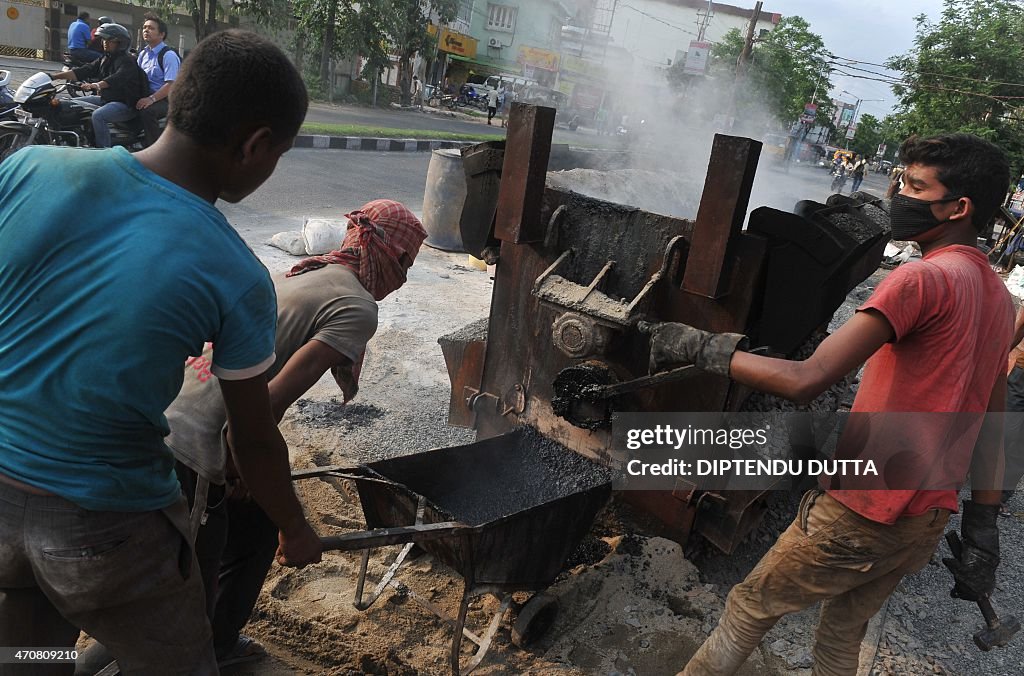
[(379, 234)]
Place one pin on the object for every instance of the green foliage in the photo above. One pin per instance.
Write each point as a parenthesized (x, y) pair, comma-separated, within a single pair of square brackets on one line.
[(208, 15), (784, 69), (373, 30), (868, 136), (961, 71), (388, 132)]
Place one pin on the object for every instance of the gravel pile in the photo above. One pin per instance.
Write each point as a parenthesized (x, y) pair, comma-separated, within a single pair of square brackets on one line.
[(334, 413), (471, 332), (659, 192)]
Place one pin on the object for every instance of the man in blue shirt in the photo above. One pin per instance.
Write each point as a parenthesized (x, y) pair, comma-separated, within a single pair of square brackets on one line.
[(104, 295), (78, 40), (161, 65)]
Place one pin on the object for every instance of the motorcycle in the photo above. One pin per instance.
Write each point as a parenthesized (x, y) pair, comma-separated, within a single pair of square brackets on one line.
[(839, 181), (471, 98), (70, 63), (630, 135), (46, 119), (437, 97)]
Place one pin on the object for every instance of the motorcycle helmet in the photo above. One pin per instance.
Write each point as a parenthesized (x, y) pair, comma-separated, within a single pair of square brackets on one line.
[(115, 31), (104, 19)]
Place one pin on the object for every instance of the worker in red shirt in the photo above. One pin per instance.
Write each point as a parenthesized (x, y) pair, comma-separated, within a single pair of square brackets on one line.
[(935, 335)]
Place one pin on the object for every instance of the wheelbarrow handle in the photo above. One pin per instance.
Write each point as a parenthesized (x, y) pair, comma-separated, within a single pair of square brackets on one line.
[(382, 537)]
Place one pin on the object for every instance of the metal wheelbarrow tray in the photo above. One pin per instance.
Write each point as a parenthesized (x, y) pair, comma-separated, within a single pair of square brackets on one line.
[(505, 513)]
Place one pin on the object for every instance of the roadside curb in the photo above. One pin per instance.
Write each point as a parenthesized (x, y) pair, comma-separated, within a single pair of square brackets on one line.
[(324, 142)]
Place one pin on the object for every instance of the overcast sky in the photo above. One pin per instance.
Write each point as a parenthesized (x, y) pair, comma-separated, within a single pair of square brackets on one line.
[(866, 30)]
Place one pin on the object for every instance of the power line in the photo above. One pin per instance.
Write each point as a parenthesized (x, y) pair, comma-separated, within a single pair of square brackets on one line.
[(944, 75), (906, 83), (658, 19), (997, 99)]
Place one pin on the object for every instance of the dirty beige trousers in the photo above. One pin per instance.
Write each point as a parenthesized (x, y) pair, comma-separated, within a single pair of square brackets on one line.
[(831, 554)]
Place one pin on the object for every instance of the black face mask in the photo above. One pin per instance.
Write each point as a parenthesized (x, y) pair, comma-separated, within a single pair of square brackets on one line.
[(910, 217)]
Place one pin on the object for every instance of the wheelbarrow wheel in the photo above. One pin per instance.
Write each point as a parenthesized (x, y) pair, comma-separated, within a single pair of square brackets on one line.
[(534, 619)]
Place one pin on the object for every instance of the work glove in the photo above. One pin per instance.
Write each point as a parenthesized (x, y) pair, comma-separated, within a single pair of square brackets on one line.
[(975, 569), (673, 343)]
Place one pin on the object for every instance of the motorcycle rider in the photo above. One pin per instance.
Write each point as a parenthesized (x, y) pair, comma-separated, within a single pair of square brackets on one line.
[(843, 167), (118, 88), (160, 63), (78, 40), (96, 43)]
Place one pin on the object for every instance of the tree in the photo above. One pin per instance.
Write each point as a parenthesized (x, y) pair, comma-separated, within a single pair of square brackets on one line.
[(409, 35), (867, 137), (786, 68), (345, 28), (207, 14), (964, 72)]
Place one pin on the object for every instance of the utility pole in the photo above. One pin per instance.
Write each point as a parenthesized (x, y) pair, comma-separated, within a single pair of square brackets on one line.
[(748, 42), (743, 62), (703, 19)]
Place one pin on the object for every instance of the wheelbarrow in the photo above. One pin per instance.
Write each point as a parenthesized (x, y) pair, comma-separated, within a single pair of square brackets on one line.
[(504, 513)]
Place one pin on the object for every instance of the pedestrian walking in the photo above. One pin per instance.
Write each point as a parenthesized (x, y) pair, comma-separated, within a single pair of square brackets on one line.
[(417, 92), (492, 104), (505, 103), (857, 170)]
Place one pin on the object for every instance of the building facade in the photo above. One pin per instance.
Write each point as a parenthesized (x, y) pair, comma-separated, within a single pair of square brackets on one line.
[(659, 32), (513, 37)]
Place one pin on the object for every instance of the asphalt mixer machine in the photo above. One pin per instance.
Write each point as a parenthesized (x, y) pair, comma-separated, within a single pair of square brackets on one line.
[(560, 351)]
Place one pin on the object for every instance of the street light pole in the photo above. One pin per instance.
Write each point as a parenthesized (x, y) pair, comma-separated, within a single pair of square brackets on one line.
[(856, 110)]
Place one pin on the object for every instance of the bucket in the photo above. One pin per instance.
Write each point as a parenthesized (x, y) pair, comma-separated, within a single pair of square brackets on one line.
[(443, 199)]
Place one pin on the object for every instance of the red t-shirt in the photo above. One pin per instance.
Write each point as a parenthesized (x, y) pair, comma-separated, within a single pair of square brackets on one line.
[(953, 321)]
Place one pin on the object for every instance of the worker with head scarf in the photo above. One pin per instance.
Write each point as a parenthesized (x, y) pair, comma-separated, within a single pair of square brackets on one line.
[(326, 313)]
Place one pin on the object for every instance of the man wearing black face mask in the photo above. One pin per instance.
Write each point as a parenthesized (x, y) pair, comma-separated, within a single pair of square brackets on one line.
[(935, 335)]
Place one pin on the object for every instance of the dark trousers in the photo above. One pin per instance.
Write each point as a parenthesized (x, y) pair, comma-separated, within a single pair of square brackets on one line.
[(1013, 431), (491, 112), (85, 55), (151, 117), (126, 578), (235, 549), (857, 180)]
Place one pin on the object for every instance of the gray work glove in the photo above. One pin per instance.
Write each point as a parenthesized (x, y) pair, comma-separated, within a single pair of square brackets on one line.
[(975, 569), (673, 343)]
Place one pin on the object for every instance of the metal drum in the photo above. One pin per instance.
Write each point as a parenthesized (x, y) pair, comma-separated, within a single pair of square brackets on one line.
[(443, 199)]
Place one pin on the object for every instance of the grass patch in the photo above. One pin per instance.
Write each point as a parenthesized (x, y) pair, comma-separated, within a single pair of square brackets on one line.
[(363, 130)]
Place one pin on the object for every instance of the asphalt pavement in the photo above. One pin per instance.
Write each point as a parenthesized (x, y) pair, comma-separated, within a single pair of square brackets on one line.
[(328, 183)]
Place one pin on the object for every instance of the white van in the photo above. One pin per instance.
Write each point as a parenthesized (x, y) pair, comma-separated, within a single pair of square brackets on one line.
[(513, 82)]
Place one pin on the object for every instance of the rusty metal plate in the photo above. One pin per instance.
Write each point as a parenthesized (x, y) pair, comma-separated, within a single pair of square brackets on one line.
[(524, 172), (723, 206)]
